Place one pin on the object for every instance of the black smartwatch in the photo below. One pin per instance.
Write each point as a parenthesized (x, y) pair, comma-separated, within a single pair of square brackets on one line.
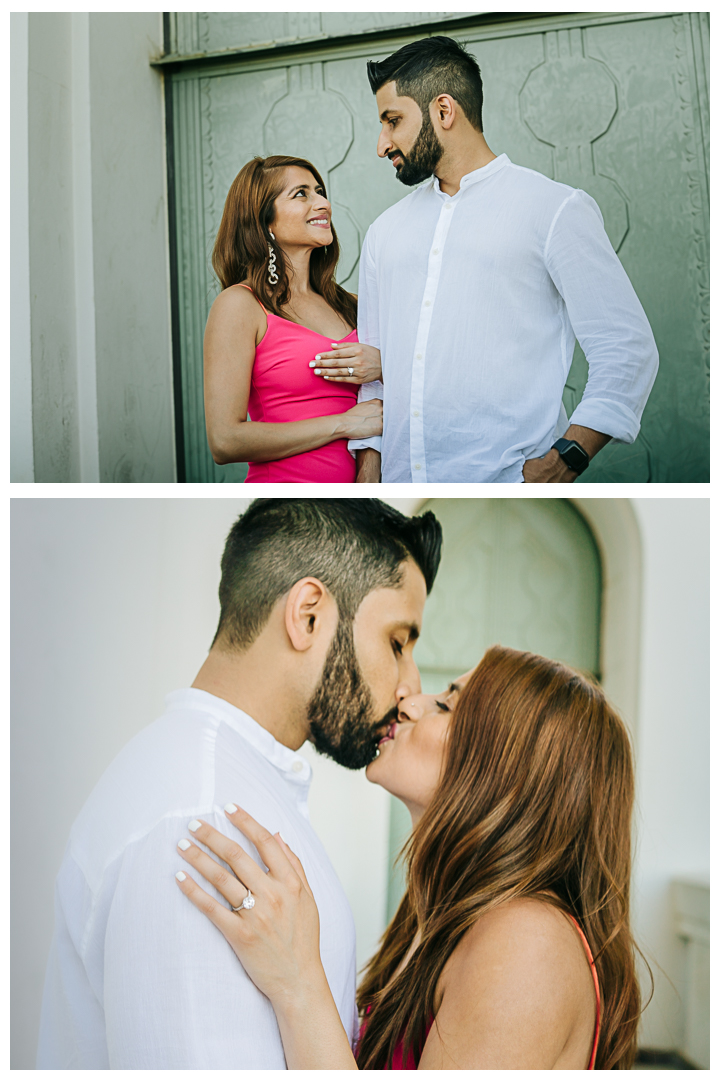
[(572, 454)]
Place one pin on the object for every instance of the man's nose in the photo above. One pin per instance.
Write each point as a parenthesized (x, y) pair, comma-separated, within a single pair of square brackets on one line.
[(383, 145)]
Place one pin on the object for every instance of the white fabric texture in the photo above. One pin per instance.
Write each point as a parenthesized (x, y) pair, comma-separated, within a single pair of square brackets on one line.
[(138, 978), (475, 302)]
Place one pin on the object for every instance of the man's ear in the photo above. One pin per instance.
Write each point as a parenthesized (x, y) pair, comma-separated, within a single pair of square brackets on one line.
[(308, 605), (446, 111)]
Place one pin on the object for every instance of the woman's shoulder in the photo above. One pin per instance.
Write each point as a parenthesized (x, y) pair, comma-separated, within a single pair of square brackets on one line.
[(531, 927), (527, 944), (237, 300), (518, 985), (238, 307)]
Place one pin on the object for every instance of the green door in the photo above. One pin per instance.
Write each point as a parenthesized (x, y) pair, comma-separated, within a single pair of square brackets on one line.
[(615, 104), (519, 572)]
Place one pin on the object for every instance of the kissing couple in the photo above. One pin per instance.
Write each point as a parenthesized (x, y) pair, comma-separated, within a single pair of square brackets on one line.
[(198, 921), (450, 363)]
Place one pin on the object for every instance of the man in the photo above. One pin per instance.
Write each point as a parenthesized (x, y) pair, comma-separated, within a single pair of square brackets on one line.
[(475, 287), (321, 603)]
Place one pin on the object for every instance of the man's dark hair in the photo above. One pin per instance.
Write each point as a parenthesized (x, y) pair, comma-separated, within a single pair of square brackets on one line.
[(351, 545), (427, 68)]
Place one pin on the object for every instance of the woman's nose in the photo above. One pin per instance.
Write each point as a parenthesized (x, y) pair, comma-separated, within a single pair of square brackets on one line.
[(415, 706)]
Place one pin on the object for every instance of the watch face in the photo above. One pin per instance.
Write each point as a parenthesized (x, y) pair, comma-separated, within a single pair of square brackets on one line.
[(575, 458)]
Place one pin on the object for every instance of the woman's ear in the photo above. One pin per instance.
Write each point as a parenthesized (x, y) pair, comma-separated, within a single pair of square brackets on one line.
[(309, 609)]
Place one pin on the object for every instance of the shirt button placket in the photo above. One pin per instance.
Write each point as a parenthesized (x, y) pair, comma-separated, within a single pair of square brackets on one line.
[(417, 440)]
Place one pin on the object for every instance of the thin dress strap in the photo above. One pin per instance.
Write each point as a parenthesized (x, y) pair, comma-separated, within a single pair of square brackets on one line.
[(250, 290), (597, 990)]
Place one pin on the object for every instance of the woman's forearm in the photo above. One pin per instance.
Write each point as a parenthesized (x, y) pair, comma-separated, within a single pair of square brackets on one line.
[(311, 1029), (258, 441)]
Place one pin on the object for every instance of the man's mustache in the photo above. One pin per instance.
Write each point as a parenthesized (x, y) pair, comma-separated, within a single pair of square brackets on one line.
[(389, 718)]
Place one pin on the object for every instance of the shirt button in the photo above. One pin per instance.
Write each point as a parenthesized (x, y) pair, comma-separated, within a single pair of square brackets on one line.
[(416, 413), (436, 251), (417, 465), (427, 303), (297, 766), (418, 356)]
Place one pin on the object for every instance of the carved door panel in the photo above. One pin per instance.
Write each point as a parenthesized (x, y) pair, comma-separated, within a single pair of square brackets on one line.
[(615, 104), (518, 572)]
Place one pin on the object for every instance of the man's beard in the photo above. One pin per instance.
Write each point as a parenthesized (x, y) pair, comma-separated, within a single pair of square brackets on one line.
[(423, 157), (341, 712)]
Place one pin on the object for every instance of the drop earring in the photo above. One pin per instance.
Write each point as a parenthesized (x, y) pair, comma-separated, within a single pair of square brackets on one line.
[(272, 268)]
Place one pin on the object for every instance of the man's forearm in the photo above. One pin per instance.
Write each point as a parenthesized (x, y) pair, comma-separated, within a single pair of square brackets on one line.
[(551, 469), (368, 467)]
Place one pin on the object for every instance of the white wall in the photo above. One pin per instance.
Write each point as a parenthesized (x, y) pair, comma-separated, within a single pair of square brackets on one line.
[(673, 740), (114, 604), (91, 298)]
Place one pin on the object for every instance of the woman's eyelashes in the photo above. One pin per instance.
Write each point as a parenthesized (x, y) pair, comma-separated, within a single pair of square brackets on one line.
[(398, 648), (443, 707)]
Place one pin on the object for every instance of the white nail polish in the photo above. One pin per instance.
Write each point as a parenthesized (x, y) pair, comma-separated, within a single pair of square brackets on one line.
[(312, 363), (230, 808), (184, 844), (194, 825), (316, 372), (282, 838), (180, 876), (334, 344)]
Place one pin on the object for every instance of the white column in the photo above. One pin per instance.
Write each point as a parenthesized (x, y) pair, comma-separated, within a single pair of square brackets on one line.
[(22, 469), (83, 254)]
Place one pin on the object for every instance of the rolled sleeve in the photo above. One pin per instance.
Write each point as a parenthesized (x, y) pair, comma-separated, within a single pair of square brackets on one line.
[(607, 319)]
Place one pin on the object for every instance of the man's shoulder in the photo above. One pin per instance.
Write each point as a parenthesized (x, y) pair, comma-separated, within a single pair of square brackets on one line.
[(541, 186), (161, 771)]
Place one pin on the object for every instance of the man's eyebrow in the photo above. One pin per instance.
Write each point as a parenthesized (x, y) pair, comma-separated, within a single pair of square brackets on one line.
[(412, 628), (386, 114)]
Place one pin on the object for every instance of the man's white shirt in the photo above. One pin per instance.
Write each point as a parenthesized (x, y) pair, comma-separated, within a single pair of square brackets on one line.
[(138, 978), (475, 302)]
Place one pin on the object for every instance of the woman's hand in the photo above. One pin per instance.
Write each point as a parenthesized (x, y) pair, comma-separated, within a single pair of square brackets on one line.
[(277, 939), (363, 420), (363, 359)]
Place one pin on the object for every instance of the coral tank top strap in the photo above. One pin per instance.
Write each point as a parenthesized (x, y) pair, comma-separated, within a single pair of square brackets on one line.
[(250, 291), (593, 969)]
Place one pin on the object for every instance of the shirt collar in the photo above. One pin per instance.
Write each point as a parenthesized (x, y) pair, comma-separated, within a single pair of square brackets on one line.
[(296, 768), (474, 177)]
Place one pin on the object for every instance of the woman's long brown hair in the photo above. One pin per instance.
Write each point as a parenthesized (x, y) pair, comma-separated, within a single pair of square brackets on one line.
[(535, 799), (241, 252)]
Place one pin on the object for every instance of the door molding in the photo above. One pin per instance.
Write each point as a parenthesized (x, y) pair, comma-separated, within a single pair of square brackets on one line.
[(616, 532)]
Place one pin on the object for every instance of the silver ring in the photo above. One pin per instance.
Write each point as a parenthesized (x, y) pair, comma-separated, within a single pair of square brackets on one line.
[(248, 902), (350, 370)]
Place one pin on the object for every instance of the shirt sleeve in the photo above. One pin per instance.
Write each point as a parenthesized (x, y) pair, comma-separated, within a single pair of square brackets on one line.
[(607, 319), (175, 994), (368, 333)]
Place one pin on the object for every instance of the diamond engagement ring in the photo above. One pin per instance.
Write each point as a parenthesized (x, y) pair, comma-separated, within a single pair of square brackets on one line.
[(350, 370), (248, 902)]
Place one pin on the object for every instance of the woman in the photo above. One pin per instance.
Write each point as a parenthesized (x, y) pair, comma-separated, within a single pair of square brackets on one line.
[(511, 947), (279, 314)]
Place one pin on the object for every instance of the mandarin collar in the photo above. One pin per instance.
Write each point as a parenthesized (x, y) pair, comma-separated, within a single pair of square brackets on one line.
[(473, 177), (296, 768)]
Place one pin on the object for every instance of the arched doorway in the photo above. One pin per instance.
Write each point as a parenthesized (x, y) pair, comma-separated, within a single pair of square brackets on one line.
[(520, 572)]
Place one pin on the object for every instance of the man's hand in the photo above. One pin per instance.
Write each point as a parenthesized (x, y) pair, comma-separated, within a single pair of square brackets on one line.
[(368, 467), (551, 469)]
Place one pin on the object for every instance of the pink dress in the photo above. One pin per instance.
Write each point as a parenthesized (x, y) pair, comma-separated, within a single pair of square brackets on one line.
[(284, 388)]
